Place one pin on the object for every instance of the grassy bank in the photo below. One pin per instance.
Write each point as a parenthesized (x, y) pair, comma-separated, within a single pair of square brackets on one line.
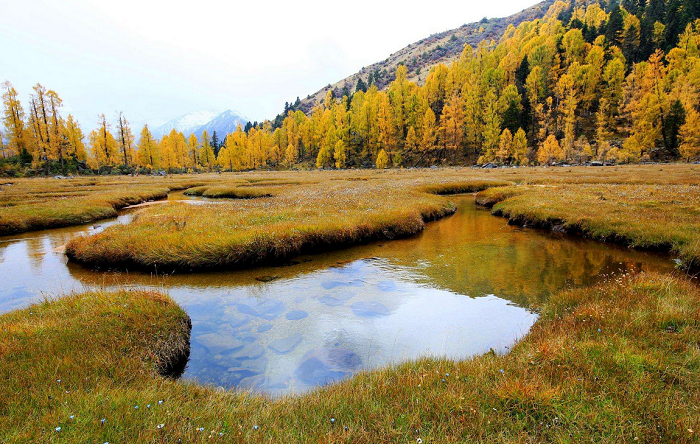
[(229, 192), (662, 217), (61, 358), (249, 232), (467, 186), (314, 210), (300, 218), (614, 363), (36, 204)]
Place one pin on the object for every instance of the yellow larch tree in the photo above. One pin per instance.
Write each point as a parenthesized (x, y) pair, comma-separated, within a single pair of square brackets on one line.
[(148, 154), (13, 118), (550, 151), (103, 146), (193, 150)]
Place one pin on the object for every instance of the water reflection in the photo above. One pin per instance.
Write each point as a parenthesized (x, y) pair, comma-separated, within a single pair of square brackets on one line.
[(460, 288), (323, 326)]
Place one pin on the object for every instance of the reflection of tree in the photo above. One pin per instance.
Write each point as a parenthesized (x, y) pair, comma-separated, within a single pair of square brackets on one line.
[(35, 252), (474, 253), (470, 253)]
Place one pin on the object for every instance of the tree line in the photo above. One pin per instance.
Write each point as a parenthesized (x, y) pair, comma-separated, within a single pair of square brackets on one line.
[(606, 81)]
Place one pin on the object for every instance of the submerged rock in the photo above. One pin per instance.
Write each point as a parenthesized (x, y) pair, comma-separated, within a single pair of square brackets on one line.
[(336, 299), (219, 342), (263, 328), (255, 366), (295, 315), (323, 365), (253, 382), (285, 345), (387, 285), (250, 351), (370, 309), (266, 309), (333, 284)]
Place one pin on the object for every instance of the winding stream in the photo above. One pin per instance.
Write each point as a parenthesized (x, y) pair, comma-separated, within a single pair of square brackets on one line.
[(460, 288)]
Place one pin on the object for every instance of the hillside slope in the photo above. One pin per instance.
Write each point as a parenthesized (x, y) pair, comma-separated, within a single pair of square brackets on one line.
[(421, 56)]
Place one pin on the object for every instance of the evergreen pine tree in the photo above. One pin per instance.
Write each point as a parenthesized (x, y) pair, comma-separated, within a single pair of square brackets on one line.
[(215, 145), (671, 127), (613, 30)]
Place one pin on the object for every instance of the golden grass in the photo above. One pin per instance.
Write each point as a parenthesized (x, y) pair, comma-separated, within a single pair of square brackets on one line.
[(229, 192), (62, 353), (250, 232), (614, 363), (469, 186), (35, 204), (663, 217), (315, 210)]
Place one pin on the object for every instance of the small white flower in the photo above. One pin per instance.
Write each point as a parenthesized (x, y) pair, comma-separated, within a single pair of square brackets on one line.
[(58, 429), (160, 426)]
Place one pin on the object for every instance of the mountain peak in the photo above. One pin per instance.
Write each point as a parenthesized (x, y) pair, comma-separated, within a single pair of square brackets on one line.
[(196, 122), (223, 123), (186, 123)]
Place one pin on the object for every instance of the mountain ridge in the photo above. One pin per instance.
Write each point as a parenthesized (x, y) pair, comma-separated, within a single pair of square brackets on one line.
[(196, 122), (421, 56), (223, 124)]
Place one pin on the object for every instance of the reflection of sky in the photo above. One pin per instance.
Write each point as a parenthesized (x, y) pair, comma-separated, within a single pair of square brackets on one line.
[(331, 314), (376, 318)]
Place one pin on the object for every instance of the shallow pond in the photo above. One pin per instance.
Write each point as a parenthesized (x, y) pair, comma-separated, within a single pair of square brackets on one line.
[(462, 287)]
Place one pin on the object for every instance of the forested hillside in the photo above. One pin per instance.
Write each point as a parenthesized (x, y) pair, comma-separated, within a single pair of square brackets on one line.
[(420, 57), (589, 80)]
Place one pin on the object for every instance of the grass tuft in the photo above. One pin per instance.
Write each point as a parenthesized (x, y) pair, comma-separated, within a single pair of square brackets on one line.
[(469, 186)]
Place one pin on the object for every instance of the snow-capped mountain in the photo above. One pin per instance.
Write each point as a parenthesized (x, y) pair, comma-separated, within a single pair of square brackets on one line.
[(186, 124), (224, 123)]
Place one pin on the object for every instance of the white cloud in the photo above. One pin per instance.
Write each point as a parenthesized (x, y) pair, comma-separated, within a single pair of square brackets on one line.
[(158, 60)]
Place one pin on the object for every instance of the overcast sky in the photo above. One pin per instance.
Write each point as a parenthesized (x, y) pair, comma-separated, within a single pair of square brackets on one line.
[(156, 61)]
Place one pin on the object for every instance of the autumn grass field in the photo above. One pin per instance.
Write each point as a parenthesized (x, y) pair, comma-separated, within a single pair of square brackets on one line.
[(614, 363), (618, 362), (270, 217), (36, 204)]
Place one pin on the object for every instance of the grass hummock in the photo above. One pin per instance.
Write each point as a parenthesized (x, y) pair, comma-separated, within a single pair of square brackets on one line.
[(649, 216), (229, 192), (468, 186), (62, 357), (37, 204), (615, 363), (301, 218)]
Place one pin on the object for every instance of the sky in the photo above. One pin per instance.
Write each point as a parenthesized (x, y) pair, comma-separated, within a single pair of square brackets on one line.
[(156, 61)]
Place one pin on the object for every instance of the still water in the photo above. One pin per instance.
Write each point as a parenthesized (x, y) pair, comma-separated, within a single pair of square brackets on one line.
[(463, 286)]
